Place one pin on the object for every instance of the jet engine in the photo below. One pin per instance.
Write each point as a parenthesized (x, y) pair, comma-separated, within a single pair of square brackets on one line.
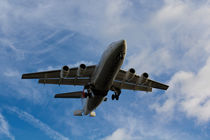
[(81, 69), (130, 74), (143, 78), (64, 72)]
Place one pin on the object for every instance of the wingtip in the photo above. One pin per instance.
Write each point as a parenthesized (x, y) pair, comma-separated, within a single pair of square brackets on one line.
[(167, 87), (22, 77), (55, 96)]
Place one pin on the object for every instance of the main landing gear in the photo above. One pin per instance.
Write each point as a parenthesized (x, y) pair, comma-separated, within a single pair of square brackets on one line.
[(116, 94), (89, 92), (115, 97)]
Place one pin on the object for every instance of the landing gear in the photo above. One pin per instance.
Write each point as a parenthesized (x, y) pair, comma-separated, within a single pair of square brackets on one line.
[(116, 94), (89, 92), (89, 95), (115, 97)]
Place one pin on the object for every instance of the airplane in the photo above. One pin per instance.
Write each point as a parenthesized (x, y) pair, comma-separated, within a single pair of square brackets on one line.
[(98, 79)]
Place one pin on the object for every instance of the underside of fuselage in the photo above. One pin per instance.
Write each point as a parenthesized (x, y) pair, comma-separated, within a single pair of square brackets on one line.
[(105, 74)]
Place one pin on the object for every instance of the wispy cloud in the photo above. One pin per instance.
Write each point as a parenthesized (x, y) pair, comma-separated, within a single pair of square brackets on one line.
[(4, 128), (28, 90), (37, 123), (129, 126)]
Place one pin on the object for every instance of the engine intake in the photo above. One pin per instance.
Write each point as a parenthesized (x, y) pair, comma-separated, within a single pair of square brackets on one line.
[(143, 78), (81, 69), (130, 74), (146, 75), (64, 72), (132, 70)]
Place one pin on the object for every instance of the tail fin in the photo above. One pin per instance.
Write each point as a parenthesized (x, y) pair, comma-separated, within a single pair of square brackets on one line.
[(78, 113)]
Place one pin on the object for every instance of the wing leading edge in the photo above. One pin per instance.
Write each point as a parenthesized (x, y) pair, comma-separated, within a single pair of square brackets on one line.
[(56, 73), (54, 76)]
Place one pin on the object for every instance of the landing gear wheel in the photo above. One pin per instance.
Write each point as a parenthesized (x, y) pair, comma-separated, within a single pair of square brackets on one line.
[(113, 96), (116, 94), (117, 97)]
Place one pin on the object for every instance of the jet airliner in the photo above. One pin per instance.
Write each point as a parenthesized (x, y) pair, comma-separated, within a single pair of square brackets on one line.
[(98, 79)]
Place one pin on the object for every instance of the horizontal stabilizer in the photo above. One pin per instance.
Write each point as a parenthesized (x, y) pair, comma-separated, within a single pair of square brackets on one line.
[(77, 94), (78, 113)]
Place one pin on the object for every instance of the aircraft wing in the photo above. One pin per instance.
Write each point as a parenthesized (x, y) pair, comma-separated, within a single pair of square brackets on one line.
[(56, 73), (53, 77), (133, 83)]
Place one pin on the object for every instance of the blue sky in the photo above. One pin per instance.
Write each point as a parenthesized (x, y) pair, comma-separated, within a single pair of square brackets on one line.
[(169, 39)]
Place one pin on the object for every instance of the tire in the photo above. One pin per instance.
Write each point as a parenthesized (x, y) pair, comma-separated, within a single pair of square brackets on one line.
[(113, 96), (117, 97)]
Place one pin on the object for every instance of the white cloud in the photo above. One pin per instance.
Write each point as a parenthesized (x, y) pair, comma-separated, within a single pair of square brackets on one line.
[(134, 126), (119, 134), (37, 123), (4, 128), (183, 27), (189, 93)]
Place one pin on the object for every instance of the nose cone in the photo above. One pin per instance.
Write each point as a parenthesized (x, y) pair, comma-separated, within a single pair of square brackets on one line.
[(122, 45), (122, 42)]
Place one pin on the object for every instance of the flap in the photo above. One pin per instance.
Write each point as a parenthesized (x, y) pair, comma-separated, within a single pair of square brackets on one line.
[(129, 86)]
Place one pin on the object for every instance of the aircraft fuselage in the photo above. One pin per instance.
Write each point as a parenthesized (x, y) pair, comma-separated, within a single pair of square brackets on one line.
[(105, 73)]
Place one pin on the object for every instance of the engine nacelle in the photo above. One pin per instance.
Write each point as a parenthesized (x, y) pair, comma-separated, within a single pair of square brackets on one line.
[(130, 74), (81, 69), (143, 78), (64, 72)]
